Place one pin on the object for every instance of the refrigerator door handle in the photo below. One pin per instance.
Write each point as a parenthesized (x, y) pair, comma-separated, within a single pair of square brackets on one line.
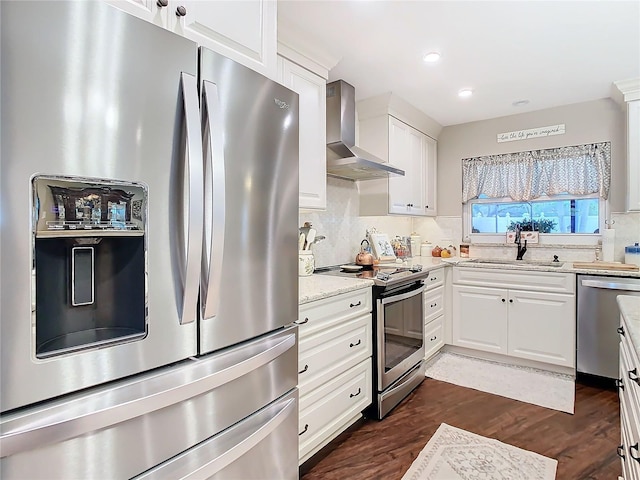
[(213, 455), (194, 213), (80, 416), (214, 218)]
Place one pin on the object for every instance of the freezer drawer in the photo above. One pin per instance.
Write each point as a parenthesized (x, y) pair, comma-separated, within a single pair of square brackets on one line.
[(262, 446), (126, 428)]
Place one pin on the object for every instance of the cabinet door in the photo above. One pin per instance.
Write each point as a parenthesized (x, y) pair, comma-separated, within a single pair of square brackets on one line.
[(407, 150), (480, 318), (542, 327), (243, 31), (633, 155), (313, 148), (148, 10), (431, 180)]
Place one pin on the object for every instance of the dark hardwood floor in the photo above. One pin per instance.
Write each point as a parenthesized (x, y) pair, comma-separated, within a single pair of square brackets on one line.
[(584, 443)]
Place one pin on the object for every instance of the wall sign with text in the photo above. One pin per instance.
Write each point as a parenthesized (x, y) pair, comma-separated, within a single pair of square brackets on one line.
[(531, 133)]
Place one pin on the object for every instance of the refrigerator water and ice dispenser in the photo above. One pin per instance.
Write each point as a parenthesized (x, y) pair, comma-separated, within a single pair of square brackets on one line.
[(89, 263)]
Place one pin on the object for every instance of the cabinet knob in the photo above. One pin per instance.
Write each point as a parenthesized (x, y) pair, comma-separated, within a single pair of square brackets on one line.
[(511, 300), (162, 3), (306, 427), (503, 300), (181, 11), (306, 367), (619, 384), (620, 330), (633, 375), (620, 451), (426, 206), (631, 449)]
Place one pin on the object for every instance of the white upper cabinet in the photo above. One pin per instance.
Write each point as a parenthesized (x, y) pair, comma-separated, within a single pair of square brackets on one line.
[(629, 97), (403, 136), (312, 117), (244, 31), (633, 155), (408, 149)]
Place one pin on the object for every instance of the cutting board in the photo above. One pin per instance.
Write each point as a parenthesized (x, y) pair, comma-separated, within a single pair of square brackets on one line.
[(606, 266)]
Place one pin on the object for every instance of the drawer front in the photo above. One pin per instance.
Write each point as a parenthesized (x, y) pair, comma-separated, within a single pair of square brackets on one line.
[(434, 279), (323, 313), (332, 351), (326, 410), (433, 304), (515, 279), (433, 338)]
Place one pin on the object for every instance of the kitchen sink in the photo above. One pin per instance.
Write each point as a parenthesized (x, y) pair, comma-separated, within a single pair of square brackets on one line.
[(528, 263)]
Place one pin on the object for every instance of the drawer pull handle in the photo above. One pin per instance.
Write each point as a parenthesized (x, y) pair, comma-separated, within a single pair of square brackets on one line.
[(620, 451), (620, 330), (433, 338), (306, 367), (351, 395), (351, 305), (351, 345), (631, 449), (619, 384), (433, 305), (306, 427), (306, 319), (635, 378)]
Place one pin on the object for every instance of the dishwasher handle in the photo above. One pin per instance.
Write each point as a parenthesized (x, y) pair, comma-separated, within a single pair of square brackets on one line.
[(630, 287)]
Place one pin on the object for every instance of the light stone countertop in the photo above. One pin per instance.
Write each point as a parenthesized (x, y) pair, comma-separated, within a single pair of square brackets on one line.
[(567, 267), (630, 310), (316, 287)]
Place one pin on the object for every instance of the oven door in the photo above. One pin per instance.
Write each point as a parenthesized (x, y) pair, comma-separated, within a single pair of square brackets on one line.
[(400, 332)]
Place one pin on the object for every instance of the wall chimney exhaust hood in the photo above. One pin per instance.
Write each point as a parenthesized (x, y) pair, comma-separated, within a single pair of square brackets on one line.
[(344, 159)]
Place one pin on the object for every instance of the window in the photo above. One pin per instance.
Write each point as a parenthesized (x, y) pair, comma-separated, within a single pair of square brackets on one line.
[(557, 216), (560, 193)]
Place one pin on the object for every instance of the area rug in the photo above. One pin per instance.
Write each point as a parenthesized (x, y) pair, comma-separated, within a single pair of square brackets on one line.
[(455, 454), (530, 385)]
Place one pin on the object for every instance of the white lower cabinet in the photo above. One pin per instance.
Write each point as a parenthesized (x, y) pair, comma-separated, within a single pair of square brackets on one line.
[(533, 319), (434, 309), (334, 367), (330, 409), (629, 390)]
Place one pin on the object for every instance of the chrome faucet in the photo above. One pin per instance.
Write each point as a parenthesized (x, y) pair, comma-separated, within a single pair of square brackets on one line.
[(521, 249)]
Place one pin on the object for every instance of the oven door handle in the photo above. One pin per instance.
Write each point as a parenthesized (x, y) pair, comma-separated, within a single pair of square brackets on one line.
[(402, 296)]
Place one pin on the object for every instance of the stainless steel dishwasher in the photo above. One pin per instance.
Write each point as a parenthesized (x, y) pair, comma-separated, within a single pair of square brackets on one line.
[(598, 319)]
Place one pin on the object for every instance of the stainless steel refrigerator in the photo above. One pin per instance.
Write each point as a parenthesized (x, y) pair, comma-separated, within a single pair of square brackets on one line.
[(148, 221)]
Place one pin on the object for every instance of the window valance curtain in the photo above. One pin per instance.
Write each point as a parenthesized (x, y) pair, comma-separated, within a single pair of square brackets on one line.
[(577, 170)]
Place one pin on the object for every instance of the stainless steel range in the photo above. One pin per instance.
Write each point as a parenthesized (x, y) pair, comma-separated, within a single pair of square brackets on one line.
[(398, 329)]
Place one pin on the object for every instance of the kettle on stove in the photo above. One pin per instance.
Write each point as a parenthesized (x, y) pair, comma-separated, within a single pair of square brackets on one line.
[(364, 258)]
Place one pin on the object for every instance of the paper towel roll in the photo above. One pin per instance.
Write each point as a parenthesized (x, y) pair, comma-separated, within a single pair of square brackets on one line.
[(608, 242)]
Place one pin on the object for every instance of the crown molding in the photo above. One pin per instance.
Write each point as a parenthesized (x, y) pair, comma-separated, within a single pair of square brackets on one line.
[(628, 90)]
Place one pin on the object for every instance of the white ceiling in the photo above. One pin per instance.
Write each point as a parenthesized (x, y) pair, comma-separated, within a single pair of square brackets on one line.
[(548, 52)]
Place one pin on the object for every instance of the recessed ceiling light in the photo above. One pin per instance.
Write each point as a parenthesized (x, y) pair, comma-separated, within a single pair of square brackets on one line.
[(431, 57), (465, 93), (520, 103)]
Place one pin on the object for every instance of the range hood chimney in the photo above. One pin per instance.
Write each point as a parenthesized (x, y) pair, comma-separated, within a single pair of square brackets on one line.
[(344, 159)]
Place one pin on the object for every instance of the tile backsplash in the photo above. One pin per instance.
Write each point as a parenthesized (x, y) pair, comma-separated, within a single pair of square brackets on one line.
[(344, 230), (343, 227)]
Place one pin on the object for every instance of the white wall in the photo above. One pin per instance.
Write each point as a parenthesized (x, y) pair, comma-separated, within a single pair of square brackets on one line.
[(597, 121)]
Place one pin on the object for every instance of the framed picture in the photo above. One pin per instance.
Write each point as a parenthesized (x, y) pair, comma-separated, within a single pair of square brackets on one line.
[(381, 246)]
